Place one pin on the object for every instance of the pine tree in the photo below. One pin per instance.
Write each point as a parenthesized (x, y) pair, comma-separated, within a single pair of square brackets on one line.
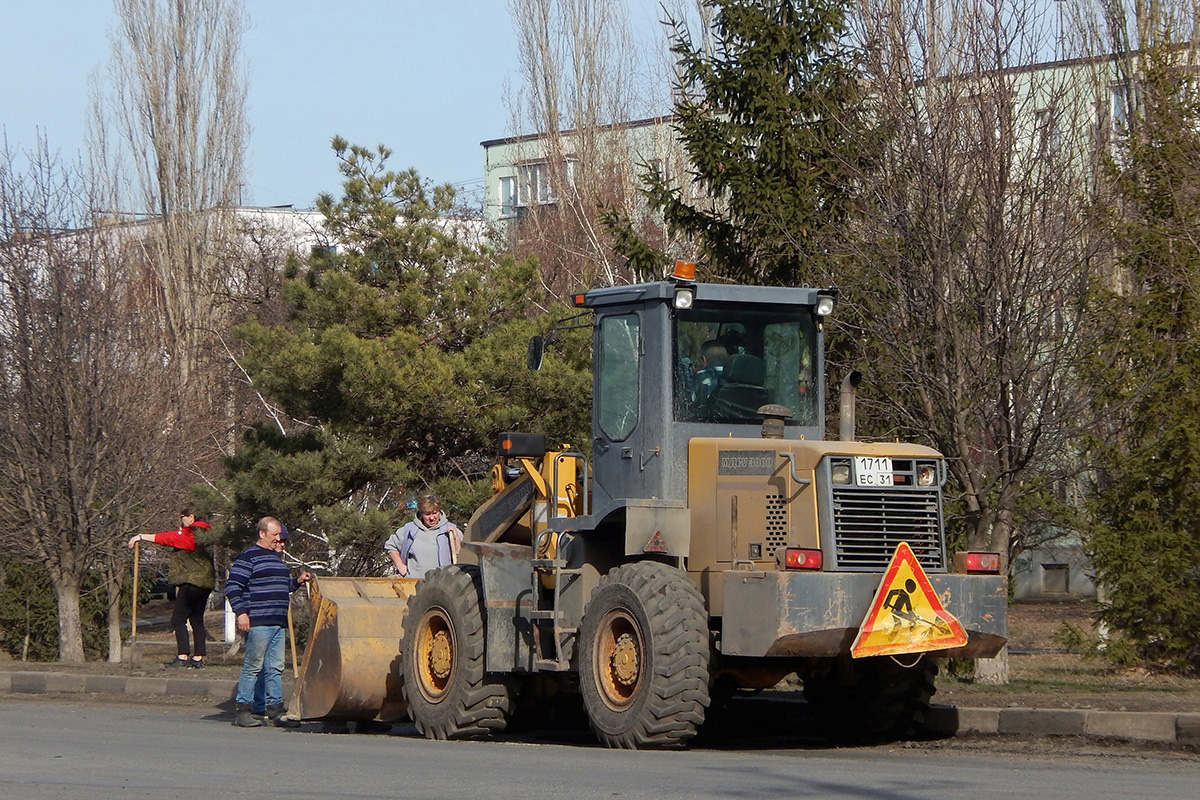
[(1146, 545), (402, 358), (769, 120)]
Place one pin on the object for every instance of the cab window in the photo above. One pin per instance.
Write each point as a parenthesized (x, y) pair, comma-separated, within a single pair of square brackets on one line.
[(620, 357), (731, 360)]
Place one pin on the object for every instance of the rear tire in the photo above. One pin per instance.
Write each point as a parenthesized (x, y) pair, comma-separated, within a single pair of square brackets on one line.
[(446, 685), (644, 658), (871, 699)]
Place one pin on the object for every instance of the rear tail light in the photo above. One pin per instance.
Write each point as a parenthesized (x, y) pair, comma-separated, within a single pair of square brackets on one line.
[(978, 563), (801, 558)]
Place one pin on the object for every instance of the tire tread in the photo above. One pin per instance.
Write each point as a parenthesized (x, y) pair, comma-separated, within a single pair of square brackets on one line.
[(478, 706), (677, 683)]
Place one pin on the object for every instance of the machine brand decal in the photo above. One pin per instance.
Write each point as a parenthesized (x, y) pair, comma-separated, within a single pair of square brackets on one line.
[(656, 544), (906, 615), (745, 462), (502, 512)]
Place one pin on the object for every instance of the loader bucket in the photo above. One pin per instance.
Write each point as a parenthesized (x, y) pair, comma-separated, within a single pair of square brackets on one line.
[(351, 668)]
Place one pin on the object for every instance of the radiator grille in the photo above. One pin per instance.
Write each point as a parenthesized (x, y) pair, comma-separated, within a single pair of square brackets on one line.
[(869, 523)]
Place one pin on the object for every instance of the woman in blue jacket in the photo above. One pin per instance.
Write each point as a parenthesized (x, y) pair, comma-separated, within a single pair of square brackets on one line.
[(427, 542)]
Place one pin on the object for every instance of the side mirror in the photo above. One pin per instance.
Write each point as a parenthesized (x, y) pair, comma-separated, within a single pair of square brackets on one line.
[(536, 352)]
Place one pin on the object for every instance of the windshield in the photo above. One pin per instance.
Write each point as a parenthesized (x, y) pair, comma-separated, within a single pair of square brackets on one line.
[(732, 359)]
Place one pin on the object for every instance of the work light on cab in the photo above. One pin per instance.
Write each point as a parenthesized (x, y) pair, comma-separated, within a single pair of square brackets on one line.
[(824, 305), (684, 278)]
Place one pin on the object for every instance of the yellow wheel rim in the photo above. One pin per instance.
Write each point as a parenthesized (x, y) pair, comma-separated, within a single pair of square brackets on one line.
[(619, 658), (435, 655)]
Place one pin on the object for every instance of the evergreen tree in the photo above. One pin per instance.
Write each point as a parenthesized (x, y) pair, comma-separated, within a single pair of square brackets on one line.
[(769, 118), (402, 358), (1146, 545)]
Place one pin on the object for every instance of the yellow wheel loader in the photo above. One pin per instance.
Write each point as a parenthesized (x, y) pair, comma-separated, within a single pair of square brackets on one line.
[(716, 540)]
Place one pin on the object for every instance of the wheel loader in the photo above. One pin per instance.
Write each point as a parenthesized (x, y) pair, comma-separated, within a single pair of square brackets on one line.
[(715, 541)]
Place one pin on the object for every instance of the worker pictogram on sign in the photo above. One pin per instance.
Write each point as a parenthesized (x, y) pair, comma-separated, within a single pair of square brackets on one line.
[(906, 615)]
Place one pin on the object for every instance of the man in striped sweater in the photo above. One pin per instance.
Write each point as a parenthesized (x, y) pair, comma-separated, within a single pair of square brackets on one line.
[(259, 589)]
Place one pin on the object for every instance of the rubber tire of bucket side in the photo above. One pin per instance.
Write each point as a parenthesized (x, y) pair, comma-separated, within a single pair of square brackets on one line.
[(448, 690), (644, 657)]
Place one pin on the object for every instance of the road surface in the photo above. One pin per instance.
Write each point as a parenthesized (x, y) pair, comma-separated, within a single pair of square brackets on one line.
[(87, 749)]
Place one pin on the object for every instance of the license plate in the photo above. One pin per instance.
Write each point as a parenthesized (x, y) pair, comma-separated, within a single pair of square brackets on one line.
[(873, 471)]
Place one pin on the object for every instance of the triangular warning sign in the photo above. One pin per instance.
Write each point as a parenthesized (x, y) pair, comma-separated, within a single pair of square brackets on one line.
[(656, 544), (906, 615)]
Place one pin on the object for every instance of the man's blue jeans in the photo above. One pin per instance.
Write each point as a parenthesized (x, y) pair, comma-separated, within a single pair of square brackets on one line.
[(264, 654)]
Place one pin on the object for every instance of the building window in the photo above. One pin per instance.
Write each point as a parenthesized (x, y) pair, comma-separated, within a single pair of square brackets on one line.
[(508, 196), (1054, 578), (537, 186), (660, 169), (1118, 106), (534, 185), (1047, 133)]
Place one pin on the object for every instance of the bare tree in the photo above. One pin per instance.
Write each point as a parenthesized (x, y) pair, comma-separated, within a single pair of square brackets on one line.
[(978, 253), (90, 431), (177, 116), (584, 79)]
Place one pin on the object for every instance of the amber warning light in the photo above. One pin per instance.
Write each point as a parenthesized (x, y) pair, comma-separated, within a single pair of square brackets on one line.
[(684, 271)]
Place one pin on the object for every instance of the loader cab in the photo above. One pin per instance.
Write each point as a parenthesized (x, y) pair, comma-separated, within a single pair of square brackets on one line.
[(665, 374)]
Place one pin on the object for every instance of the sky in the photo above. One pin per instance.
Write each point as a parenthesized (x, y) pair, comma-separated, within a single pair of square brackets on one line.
[(427, 78)]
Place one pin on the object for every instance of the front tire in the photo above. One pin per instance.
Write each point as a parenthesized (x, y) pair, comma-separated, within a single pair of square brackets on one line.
[(644, 658), (446, 685)]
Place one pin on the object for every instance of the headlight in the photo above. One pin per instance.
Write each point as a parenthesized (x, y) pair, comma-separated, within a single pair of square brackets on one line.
[(841, 473), (926, 475), (684, 296), (824, 305)]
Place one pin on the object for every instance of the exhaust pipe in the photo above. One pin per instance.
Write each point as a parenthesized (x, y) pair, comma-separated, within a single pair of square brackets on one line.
[(846, 406)]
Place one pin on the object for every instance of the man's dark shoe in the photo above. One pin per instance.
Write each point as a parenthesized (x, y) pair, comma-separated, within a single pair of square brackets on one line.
[(242, 718), (196, 663), (275, 713), (178, 663), (258, 713)]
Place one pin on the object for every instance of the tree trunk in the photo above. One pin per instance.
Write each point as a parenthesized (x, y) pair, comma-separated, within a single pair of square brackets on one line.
[(70, 629), (992, 671), (112, 586)]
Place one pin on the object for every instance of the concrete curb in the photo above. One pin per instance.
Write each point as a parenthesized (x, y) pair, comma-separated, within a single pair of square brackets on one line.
[(218, 689), (1138, 726)]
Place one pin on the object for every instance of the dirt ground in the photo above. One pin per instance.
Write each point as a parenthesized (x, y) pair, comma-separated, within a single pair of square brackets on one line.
[(1041, 676)]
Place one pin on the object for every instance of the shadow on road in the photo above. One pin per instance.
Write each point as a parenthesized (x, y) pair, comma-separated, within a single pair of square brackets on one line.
[(751, 723)]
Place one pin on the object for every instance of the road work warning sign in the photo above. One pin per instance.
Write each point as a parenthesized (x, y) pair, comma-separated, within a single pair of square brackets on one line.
[(906, 615)]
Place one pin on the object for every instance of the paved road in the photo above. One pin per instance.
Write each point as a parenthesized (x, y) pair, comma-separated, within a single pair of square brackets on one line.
[(68, 750)]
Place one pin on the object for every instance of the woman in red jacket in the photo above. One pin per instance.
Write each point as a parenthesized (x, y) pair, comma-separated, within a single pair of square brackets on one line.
[(192, 574)]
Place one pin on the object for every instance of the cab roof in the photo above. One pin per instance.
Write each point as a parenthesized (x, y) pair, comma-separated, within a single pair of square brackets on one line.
[(705, 292)]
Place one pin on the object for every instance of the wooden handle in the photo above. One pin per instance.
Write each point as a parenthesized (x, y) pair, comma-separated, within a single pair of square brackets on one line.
[(137, 553), (292, 639)]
